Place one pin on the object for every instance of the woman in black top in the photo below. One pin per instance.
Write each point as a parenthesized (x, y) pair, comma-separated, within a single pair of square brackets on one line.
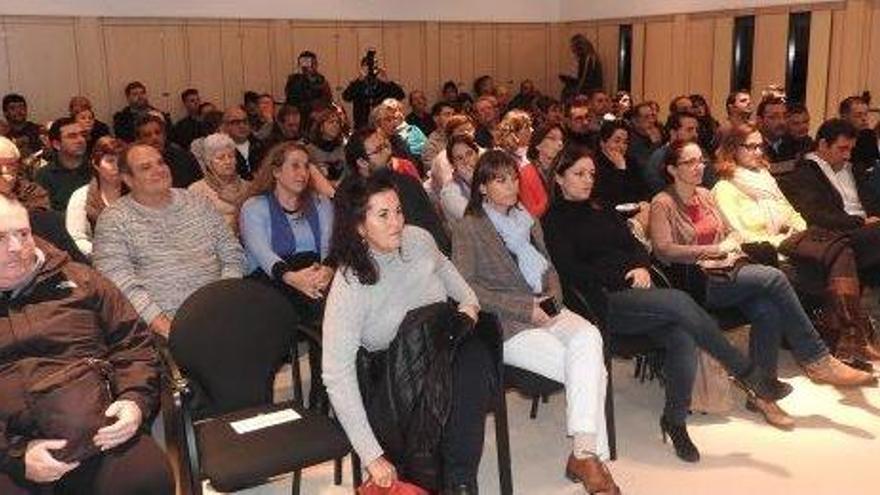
[(596, 253), (617, 179)]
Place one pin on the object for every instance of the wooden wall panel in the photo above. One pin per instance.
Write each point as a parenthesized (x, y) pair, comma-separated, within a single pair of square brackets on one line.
[(771, 45), (658, 68), (528, 56), (174, 57), (43, 64), (722, 50), (608, 47), (484, 53), (700, 43), (637, 83), (504, 57), (873, 68), (90, 58), (205, 57), (256, 58), (320, 39), (281, 55), (818, 74), (127, 61)]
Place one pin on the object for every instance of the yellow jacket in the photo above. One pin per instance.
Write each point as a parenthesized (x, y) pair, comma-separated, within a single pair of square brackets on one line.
[(764, 220)]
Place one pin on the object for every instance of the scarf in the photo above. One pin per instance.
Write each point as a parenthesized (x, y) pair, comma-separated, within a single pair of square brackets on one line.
[(515, 230), (94, 202), (762, 188), (234, 192), (283, 240)]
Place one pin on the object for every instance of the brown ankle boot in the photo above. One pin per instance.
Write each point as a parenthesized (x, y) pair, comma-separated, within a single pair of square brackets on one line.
[(830, 370), (592, 473)]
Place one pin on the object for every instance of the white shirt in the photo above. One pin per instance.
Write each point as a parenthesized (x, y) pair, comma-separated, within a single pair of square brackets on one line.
[(845, 184), (245, 149), (77, 223)]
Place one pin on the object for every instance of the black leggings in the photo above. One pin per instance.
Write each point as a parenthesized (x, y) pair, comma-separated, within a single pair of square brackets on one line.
[(138, 467)]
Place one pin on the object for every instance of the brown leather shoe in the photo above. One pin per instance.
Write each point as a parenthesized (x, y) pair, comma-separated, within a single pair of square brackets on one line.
[(592, 473), (830, 370), (773, 414)]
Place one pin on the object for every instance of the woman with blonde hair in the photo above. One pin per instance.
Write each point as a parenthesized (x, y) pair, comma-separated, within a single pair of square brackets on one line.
[(754, 206), (513, 135)]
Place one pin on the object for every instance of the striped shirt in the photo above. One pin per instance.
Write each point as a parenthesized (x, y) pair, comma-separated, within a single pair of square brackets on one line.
[(159, 256)]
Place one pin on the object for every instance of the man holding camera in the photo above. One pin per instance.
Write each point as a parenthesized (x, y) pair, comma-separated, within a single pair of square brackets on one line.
[(308, 89), (370, 89)]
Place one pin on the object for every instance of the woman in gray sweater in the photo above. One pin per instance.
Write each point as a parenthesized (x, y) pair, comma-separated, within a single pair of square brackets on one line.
[(386, 269)]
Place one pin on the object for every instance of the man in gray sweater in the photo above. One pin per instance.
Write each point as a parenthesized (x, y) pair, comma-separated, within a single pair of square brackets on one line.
[(159, 244)]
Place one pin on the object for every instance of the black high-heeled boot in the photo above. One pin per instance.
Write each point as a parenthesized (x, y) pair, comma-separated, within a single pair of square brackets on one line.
[(684, 447)]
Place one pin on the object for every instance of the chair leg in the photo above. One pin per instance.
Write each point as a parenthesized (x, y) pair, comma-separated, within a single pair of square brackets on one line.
[(337, 471), (534, 411), (296, 376), (545, 398), (295, 483), (609, 412), (502, 441), (356, 475)]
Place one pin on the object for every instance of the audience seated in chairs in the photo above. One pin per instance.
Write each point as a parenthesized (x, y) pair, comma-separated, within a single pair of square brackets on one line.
[(455, 181), (61, 430), (547, 142), (688, 230), (87, 202), (285, 230), (326, 144), (158, 244), (597, 255), (387, 271), (407, 140), (185, 169), (440, 113), (754, 206), (618, 180), (221, 183), (248, 149), (81, 110), (499, 249), (833, 194)]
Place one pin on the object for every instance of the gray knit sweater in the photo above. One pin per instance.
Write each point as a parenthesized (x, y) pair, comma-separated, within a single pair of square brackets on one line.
[(158, 257), (369, 315)]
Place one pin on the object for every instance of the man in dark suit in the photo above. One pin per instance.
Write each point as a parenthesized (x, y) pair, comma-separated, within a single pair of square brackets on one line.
[(248, 149), (832, 193), (854, 110), (138, 104)]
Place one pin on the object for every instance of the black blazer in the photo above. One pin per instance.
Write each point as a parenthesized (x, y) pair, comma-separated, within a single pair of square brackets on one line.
[(247, 165), (811, 194)]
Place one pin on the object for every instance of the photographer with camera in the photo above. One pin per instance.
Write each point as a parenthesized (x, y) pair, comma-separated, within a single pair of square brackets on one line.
[(308, 90), (370, 89)]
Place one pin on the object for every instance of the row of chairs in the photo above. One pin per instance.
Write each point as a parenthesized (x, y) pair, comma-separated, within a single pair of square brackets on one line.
[(229, 340)]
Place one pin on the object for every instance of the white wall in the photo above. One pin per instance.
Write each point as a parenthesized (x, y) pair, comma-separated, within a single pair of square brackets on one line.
[(401, 10), (578, 10)]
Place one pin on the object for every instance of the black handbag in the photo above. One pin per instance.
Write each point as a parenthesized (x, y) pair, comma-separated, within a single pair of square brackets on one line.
[(70, 404)]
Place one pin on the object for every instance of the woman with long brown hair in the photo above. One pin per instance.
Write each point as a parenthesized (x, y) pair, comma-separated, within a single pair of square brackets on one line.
[(87, 202), (754, 206)]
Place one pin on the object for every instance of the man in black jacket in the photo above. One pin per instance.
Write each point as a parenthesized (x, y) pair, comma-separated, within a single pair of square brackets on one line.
[(308, 89), (138, 104), (831, 193), (248, 149), (187, 129), (369, 89), (185, 169), (865, 153), (23, 132)]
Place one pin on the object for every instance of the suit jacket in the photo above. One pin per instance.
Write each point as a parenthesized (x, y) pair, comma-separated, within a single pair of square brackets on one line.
[(811, 194), (247, 165), (483, 260)]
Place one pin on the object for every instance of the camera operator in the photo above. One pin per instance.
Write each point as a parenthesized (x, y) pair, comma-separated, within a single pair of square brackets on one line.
[(308, 90), (370, 89)]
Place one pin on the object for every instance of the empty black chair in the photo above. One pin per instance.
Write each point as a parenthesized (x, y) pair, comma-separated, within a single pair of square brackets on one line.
[(227, 342)]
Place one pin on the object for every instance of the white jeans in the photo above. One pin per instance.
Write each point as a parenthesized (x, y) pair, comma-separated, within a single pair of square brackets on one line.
[(570, 352)]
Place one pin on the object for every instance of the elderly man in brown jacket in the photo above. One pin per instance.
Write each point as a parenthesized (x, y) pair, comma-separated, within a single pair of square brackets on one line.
[(58, 321)]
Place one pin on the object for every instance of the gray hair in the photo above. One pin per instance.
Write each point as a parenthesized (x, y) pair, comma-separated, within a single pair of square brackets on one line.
[(213, 144)]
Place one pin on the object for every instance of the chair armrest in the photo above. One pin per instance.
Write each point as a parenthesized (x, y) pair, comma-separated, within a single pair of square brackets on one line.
[(178, 382)]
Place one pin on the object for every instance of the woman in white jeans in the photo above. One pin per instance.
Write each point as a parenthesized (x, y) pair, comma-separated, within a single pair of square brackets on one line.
[(499, 249)]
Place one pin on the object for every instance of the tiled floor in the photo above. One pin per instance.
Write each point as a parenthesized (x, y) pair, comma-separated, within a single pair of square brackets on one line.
[(834, 449)]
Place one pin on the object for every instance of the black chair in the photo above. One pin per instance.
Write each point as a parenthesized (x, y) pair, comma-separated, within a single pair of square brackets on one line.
[(227, 342), (529, 384)]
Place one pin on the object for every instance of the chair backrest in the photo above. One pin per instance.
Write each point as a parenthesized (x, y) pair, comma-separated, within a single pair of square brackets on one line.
[(230, 337)]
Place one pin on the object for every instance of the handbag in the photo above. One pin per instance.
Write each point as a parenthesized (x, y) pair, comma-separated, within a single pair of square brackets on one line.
[(70, 404), (396, 488), (815, 245)]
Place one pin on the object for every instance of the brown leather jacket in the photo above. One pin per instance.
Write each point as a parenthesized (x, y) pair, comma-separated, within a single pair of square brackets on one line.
[(67, 312)]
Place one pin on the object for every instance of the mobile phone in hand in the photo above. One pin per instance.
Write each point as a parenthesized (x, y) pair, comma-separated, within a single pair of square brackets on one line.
[(549, 306)]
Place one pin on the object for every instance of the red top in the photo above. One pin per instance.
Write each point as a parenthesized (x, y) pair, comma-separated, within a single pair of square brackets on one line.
[(705, 224), (404, 166), (531, 191)]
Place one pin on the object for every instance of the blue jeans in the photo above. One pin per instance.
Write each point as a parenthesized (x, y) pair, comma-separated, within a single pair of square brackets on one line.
[(769, 303), (673, 319)]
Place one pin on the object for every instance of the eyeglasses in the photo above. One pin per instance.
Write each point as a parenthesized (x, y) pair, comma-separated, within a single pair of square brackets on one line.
[(753, 147), (693, 162), (237, 121)]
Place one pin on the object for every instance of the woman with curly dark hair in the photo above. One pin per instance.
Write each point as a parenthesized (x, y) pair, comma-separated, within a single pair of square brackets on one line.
[(386, 270)]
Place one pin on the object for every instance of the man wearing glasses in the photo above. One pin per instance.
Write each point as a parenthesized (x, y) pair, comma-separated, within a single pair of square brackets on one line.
[(248, 149)]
